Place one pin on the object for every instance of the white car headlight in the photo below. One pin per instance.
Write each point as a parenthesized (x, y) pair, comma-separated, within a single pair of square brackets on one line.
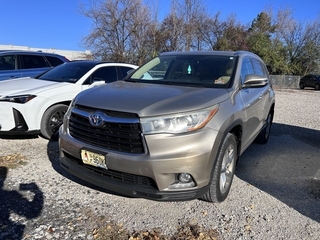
[(179, 123), (18, 99)]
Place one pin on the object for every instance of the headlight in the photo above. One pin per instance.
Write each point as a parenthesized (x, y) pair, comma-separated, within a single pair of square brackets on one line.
[(18, 99), (185, 122)]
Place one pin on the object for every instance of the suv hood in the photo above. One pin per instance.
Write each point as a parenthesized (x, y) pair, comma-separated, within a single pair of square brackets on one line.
[(150, 99), (27, 86)]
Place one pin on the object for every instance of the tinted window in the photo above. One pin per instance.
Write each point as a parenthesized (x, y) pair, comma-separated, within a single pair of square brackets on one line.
[(107, 74), (33, 61), (69, 72), (8, 62), (54, 61)]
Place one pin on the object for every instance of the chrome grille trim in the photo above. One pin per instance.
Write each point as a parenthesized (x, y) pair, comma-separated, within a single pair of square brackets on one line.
[(121, 134)]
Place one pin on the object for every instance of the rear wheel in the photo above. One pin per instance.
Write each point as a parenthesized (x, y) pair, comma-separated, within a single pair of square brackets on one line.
[(301, 85), (263, 136), (223, 171), (317, 87), (51, 121)]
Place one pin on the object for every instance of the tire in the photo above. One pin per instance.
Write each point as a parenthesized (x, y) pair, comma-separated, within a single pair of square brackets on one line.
[(51, 121), (317, 86), (263, 136), (223, 171), (301, 85)]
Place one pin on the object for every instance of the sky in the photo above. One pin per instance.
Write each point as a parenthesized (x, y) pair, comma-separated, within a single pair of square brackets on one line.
[(59, 24)]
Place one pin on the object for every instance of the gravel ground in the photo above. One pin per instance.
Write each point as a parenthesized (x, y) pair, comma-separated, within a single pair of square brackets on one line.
[(275, 193)]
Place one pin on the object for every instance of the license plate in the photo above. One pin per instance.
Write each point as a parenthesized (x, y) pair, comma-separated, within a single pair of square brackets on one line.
[(94, 159)]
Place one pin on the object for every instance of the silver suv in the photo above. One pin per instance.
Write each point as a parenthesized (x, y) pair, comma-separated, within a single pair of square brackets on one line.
[(172, 130)]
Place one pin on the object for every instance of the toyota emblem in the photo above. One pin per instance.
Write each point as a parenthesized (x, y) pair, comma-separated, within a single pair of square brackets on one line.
[(96, 119)]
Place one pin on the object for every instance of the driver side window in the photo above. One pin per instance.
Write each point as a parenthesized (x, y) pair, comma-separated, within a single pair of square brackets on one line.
[(107, 74)]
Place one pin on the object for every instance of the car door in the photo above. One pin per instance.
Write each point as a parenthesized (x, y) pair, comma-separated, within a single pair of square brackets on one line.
[(8, 67), (254, 100)]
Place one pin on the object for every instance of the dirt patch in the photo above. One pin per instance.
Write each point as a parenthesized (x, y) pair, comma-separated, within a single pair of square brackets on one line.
[(12, 160), (106, 229)]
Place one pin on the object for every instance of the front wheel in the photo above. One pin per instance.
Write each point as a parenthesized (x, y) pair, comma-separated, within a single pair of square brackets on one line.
[(317, 87), (223, 171), (51, 121)]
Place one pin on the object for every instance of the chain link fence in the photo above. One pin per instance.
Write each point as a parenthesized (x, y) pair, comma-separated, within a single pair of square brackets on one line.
[(285, 81)]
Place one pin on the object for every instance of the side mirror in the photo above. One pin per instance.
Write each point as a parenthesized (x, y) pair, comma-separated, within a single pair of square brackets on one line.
[(97, 79), (253, 80), (130, 71)]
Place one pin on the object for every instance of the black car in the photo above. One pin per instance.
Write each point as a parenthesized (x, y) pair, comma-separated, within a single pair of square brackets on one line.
[(310, 80)]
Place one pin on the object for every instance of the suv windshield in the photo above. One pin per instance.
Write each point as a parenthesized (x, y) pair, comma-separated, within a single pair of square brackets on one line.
[(195, 70), (68, 72)]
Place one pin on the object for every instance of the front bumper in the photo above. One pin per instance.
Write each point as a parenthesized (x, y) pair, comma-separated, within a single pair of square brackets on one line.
[(13, 121), (148, 175)]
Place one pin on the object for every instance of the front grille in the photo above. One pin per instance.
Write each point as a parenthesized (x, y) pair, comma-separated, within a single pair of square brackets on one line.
[(123, 135), (116, 175)]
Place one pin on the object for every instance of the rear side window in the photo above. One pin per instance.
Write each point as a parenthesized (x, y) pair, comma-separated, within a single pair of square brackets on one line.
[(33, 61), (8, 62), (54, 61)]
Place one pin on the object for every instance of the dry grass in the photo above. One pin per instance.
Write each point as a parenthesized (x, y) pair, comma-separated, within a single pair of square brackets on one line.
[(12, 160), (187, 231), (104, 229)]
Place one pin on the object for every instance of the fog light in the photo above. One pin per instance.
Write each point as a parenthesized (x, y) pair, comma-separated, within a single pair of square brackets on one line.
[(185, 177)]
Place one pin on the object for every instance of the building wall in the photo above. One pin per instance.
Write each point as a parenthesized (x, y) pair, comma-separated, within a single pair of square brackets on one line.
[(71, 55)]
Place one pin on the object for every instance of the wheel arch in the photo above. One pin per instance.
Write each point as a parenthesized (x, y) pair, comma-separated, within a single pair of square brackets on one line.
[(236, 128), (47, 106), (56, 103), (46, 129), (237, 131)]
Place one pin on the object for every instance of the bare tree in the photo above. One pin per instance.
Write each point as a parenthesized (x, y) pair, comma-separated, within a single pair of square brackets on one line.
[(121, 30), (129, 31), (170, 33), (233, 35), (211, 30), (301, 42), (185, 20)]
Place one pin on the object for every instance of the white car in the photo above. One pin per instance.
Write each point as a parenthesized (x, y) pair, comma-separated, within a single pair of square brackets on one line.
[(37, 105)]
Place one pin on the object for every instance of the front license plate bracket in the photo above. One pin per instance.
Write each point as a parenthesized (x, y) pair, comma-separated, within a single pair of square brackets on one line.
[(93, 159)]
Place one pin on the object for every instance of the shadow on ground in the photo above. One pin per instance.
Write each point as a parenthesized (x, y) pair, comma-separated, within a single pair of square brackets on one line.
[(12, 201), (287, 168)]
